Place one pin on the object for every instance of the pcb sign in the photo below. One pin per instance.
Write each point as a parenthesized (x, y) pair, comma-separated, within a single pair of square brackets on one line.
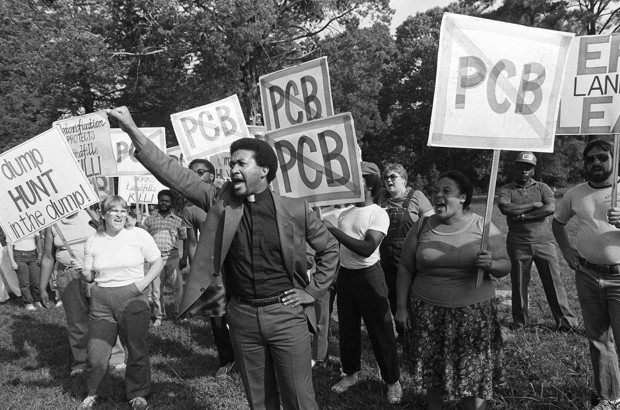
[(41, 183), (296, 95), (204, 130), (590, 102), (123, 149), (497, 85), (318, 161)]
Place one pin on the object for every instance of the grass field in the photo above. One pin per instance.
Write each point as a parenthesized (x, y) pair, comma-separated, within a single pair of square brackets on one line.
[(544, 369)]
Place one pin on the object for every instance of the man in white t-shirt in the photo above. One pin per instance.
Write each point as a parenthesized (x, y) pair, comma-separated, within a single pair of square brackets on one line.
[(362, 291), (596, 260)]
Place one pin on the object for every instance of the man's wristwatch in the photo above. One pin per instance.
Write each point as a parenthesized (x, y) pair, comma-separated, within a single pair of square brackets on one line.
[(522, 217)]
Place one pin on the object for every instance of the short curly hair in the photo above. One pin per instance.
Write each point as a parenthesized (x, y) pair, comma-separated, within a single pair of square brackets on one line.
[(463, 183), (264, 155), (398, 168)]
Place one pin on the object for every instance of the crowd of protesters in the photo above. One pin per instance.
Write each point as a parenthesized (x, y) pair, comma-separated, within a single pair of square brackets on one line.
[(265, 269)]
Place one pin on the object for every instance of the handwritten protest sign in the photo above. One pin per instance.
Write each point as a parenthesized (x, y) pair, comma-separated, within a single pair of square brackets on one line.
[(41, 182), (318, 161), (123, 150), (497, 85), (296, 94), (590, 103), (89, 138), (203, 131), (147, 188)]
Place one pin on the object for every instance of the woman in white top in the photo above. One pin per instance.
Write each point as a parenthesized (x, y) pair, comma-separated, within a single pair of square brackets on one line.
[(114, 259), (75, 230), (25, 257)]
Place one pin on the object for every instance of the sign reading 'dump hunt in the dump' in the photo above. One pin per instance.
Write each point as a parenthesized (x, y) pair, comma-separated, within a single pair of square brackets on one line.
[(41, 183), (319, 161), (590, 101), (89, 138), (498, 85)]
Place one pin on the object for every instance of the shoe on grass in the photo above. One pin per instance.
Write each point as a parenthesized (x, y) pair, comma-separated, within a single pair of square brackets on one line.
[(139, 403), (157, 323), (88, 403), (607, 405), (346, 382), (30, 307), (394, 393), (38, 304), (76, 372), (58, 304), (223, 371)]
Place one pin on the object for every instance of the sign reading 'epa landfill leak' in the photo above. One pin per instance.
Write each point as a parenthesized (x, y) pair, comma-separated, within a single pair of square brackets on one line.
[(590, 101), (41, 183)]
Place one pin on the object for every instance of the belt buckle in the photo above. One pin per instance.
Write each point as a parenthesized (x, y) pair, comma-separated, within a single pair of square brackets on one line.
[(280, 298)]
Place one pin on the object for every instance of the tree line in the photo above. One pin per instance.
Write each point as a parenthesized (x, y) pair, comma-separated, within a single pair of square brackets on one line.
[(60, 58)]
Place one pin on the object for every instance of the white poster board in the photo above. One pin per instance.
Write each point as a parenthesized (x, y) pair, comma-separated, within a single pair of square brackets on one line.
[(203, 131), (41, 182), (89, 138), (176, 153), (498, 85), (105, 186), (123, 150), (590, 103), (147, 186), (318, 161), (296, 95)]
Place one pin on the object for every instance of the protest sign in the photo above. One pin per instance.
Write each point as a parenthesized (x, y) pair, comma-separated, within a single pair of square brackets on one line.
[(590, 103), (318, 161), (296, 95), (89, 138), (203, 131), (123, 150), (146, 186), (176, 153), (497, 85), (41, 182), (104, 187)]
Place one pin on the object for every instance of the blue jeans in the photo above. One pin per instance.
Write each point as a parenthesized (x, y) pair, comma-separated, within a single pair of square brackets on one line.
[(599, 297), (544, 255), (73, 295), (272, 350), (28, 273), (119, 311)]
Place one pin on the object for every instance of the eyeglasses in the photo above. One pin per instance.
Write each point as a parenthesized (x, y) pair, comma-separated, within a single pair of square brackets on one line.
[(201, 171), (122, 212), (602, 157), (393, 177)]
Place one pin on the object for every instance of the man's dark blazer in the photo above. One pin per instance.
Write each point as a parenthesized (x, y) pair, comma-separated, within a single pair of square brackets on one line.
[(296, 223)]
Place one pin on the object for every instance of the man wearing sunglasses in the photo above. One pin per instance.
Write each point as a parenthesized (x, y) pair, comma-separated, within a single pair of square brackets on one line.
[(527, 204), (595, 256)]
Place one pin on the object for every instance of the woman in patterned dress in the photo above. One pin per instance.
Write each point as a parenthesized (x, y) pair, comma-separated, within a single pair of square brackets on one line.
[(453, 342)]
